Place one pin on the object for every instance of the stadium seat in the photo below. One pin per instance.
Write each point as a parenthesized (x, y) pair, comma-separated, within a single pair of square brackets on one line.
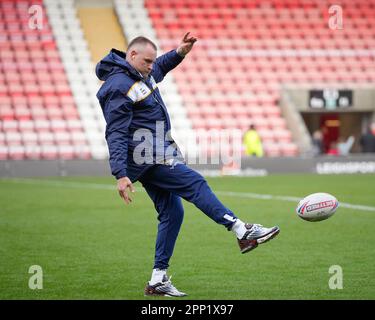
[(16, 152), (4, 154)]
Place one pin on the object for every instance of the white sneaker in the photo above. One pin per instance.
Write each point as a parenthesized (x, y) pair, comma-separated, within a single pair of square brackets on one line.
[(256, 234), (164, 288)]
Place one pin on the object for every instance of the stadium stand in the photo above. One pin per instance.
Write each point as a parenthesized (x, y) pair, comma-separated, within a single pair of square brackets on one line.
[(38, 116), (80, 71), (41, 116), (247, 50)]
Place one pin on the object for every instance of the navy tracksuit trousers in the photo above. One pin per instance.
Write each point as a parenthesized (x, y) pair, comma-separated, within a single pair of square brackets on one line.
[(166, 185)]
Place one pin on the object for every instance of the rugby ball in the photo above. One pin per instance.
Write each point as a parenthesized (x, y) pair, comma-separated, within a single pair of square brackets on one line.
[(317, 207)]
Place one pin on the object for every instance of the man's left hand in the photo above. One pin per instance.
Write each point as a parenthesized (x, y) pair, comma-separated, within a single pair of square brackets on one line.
[(186, 45)]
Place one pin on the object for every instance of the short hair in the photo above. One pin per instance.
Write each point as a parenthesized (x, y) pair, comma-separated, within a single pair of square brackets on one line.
[(141, 40)]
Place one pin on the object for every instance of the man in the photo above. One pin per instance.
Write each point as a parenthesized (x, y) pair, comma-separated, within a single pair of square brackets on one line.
[(317, 142), (135, 114), (367, 141), (253, 143)]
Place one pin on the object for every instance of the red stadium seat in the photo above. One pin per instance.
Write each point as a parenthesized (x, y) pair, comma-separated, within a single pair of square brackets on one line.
[(49, 152), (32, 151), (272, 149), (16, 152), (46, 138), (66, 152), (4, 153), (13, 138)]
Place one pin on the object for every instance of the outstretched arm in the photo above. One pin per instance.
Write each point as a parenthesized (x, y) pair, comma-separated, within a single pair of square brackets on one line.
[(171, 59)]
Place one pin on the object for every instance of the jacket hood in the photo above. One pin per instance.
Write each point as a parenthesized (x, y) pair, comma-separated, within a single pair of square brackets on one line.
[(112, 63)]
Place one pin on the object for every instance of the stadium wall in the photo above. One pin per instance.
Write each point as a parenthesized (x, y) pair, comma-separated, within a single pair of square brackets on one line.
[(359, 163)]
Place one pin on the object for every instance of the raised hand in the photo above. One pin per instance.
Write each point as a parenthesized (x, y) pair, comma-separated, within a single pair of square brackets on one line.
[(186, 45)]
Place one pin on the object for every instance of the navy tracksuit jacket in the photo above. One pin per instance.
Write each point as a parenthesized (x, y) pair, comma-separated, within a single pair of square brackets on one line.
[(141, 148)]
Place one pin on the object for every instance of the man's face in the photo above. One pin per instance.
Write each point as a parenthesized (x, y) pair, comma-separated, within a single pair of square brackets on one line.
[(142, 58)]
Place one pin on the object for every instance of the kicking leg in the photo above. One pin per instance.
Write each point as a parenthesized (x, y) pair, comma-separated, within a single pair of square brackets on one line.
[(191, 186)]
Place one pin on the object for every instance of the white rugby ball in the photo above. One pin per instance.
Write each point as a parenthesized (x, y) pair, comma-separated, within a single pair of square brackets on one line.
[(317, 207)]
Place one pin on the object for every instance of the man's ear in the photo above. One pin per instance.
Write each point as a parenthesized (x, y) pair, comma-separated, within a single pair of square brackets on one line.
[(133, 53)]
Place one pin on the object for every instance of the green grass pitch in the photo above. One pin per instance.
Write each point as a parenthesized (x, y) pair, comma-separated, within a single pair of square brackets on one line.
[(90, 245)]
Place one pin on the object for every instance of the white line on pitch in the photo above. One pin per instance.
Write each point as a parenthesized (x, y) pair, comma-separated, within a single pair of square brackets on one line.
[(98, 186), (287, 198)]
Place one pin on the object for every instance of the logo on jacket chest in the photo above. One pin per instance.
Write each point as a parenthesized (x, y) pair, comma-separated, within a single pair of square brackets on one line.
[(143, 91), (140, 91)]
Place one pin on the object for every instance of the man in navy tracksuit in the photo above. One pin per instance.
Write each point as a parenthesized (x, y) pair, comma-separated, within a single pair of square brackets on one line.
[(141, 148)]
